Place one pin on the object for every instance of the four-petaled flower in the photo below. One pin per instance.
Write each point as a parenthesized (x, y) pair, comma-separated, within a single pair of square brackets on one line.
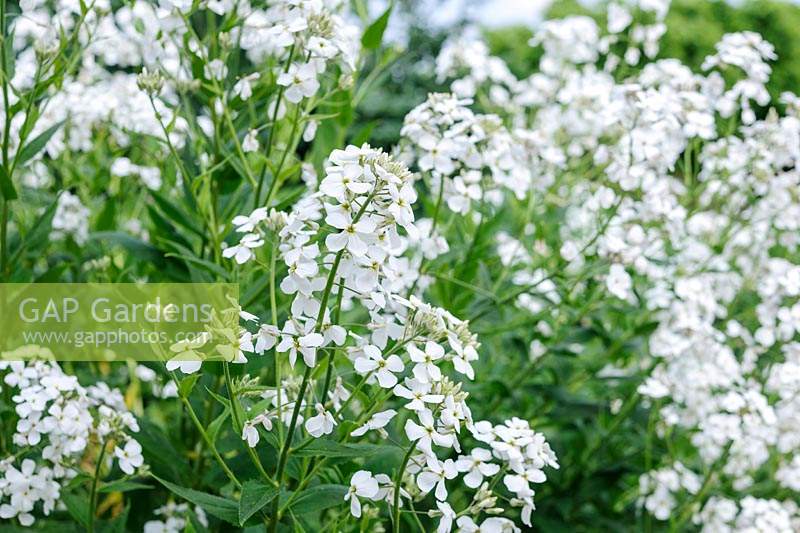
[(382, 369), (364, 485), (130, 456), (426, 370)]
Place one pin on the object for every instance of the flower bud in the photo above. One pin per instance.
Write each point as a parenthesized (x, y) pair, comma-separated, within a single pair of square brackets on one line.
[(150, 82)]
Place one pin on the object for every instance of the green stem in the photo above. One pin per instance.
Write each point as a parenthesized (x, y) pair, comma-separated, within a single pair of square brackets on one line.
[(202, 430), (274, 308), (3, 240), (95, 480), (284, 456), (237, 422), (6, 134), (285, 449), (708, 482), (398, 480), (326, 293), (436, 209), (438, 206), (271, 140), (329, 371)]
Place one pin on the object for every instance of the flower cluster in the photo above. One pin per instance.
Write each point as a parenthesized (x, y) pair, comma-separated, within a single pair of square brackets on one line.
[(173, 518), (57, 421), (70, 218), (467, 156), (691, 210), (346, 243)]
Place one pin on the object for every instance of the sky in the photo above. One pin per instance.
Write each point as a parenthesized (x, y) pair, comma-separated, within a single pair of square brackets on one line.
[(491, 13), (484, 13)]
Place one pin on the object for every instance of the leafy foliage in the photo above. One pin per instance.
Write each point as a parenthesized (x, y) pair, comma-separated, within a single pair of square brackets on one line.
[(197, 142)]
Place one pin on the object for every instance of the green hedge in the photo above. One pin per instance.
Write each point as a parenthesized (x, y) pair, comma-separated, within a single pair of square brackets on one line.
[(693, 28)]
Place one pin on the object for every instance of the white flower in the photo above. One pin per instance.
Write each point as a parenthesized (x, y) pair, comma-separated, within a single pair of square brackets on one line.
[(320, 47), (464, 355), (376, 421), (492, 524), (243, 251), (477, 466), (266, 337), (22, 485), (130, 457), (338, 394), (382, 369), (322, 423), (364, 485), (300, 82), (250, 431), (619, 18), (354, 235), (439, 156), (426, 370), (250, 434), (247, 224), (426, 434), (418, 392), (448, 516), (520, 481), (332, 332), (347, 178), (305, 342), (250, 143), (244, 88), (187, 359), (434, 475), (386, 490), (215, 70), (145, 374), (311, 131), (619, 282), (71, 218)]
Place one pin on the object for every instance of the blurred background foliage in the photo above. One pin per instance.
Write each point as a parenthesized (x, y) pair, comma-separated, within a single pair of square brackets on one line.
[(693, 28)]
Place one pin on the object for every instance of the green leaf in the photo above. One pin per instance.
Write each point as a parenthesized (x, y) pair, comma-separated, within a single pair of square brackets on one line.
[(159, 452), (77, 507), (139, 248), (186, 255), (215, 426), (317, 498), (364, 133), (6, 185), (175, 214), (187, 384), (329, 448), (9, 61), (32, 117), (123, 485), (38, 236), (221, 399), (255, 495), (222, 508), (164, 230), (36, 144), (373, 35), (105, 220)]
